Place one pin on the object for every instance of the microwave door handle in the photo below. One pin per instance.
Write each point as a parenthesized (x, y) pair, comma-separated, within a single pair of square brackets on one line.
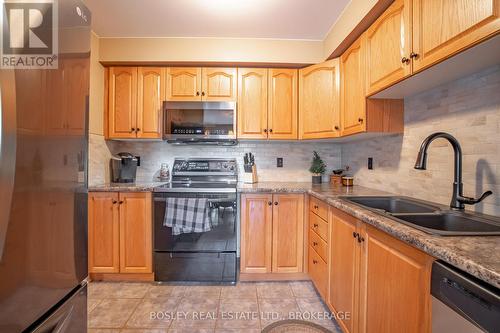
[(7, 150)]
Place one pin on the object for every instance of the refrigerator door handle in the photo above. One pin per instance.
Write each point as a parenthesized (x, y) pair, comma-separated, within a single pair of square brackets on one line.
[(7, 150)]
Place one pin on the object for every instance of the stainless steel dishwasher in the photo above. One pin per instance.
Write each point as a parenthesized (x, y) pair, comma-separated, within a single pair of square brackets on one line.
[(462, 303)]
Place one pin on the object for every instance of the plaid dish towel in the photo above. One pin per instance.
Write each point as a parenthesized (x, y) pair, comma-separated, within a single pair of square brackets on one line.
[(186, 215)]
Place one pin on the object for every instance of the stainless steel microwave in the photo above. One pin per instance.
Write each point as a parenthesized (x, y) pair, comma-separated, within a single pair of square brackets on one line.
[(199, 122)]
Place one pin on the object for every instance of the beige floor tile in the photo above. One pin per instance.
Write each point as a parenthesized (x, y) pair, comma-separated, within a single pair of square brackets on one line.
[(191, 330), (107, 290), (196, 312), (102, 290), (161, 290), (92, 303), (143, 330), (275, 309), (238, 313), (237, 330), (112, 313), (202, 291), (314, 310), (102, 330), (154, 313), (274, 290), (303, 289), (239, 291)]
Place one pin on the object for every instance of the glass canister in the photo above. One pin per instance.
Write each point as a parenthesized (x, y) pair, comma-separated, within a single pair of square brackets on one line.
[(164, 172)]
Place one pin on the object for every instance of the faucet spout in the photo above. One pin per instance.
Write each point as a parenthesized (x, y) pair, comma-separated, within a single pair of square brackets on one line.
[(458, 200)]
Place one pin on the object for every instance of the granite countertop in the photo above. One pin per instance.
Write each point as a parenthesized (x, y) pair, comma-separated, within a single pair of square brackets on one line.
[(476, 255), (126, 187)]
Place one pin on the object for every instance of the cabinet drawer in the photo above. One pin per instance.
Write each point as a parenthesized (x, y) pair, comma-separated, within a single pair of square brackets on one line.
[(319, 226), (318, 207), (318, 271), (318, 244)]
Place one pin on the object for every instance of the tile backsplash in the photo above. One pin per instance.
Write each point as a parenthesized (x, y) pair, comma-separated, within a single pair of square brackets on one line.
[(469, 109), (296, 156)]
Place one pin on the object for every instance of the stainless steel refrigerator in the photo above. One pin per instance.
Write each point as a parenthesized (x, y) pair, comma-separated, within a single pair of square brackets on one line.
[(43, 186)]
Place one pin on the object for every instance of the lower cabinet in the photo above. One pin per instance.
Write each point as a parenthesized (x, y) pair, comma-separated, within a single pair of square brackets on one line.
[(272, 233), (377, 283), (120, 232)]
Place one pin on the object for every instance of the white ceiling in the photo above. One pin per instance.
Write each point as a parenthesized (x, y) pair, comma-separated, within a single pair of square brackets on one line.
[(277, 19)]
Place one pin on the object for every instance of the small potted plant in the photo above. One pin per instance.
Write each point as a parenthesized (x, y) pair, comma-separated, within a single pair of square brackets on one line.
[(318, 168)]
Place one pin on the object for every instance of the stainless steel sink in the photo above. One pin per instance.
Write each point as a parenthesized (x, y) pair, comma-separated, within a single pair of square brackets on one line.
[(428, 217), (393, 204), (450, 223)]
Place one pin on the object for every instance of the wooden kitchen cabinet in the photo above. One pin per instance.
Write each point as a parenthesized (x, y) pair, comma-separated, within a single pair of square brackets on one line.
[(388, 47), (219, 84), (319, 101), (135, 233), (252, 103), (256, 233), (288, 233), (104, 233), (183, 84), (442, 28), (122, 107), (282, 117), (381, 281), (353, 88), (120, 233), (135, 102), (272, 233), (150, 96)]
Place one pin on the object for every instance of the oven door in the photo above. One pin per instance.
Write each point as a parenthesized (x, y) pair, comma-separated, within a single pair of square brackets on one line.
[(221, 238), (199, 121)]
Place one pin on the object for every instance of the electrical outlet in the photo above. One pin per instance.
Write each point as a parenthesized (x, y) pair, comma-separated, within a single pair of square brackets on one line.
[(279, 162), (370, 163)]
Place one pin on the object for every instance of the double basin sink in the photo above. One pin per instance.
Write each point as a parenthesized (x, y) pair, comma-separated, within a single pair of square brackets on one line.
[(428, 217)]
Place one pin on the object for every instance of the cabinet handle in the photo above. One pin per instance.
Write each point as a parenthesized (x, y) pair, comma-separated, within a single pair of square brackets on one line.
[(316, 206), (360, 120), (197, 93), (114, 202), (276, 203), (405, 60), (315, 261), (269, 203), (137, 129), (414, 55), (120, 202), (202, 93), (315, 225), (270, 130), (354, 234), (336, 128), (360, 238), (265, 130), (315, 244), (132, 130)]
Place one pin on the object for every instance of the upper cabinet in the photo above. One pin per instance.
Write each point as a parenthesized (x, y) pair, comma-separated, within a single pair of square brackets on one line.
[(183, 84), (122, 101), (252, 103), (388, 47), (134, 102), (218, 84), (319, 103), (353, 88), (442, 28), (282, 107), (201, 84)]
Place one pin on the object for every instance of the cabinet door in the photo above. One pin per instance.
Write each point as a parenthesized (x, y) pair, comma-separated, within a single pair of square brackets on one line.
[(104, 235), (288, 233), (394, 285), (252, 103), (183, 84), (319, 102), (353, 89), (283, 112), (76, 84), (256, 231), (55, 116), (151, 94), (31, 99), (343, 267), (219, 84), (135, 233), (388, 41), (122, 102), (442, 28)]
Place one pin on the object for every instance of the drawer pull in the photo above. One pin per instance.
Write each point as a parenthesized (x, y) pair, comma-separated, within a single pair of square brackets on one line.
[(315, 243), (316, 206), (315, 261), (315, 225), (269, 203), (114, 202), (355, 234)]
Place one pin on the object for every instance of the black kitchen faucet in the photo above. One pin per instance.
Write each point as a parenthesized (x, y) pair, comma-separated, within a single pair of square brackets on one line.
[(458, 200)]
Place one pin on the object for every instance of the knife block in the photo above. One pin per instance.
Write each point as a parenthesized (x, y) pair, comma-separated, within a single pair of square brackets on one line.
[(250, 177)]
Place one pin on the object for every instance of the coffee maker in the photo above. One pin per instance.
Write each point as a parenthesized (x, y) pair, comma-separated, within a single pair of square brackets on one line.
[(123, 168)]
